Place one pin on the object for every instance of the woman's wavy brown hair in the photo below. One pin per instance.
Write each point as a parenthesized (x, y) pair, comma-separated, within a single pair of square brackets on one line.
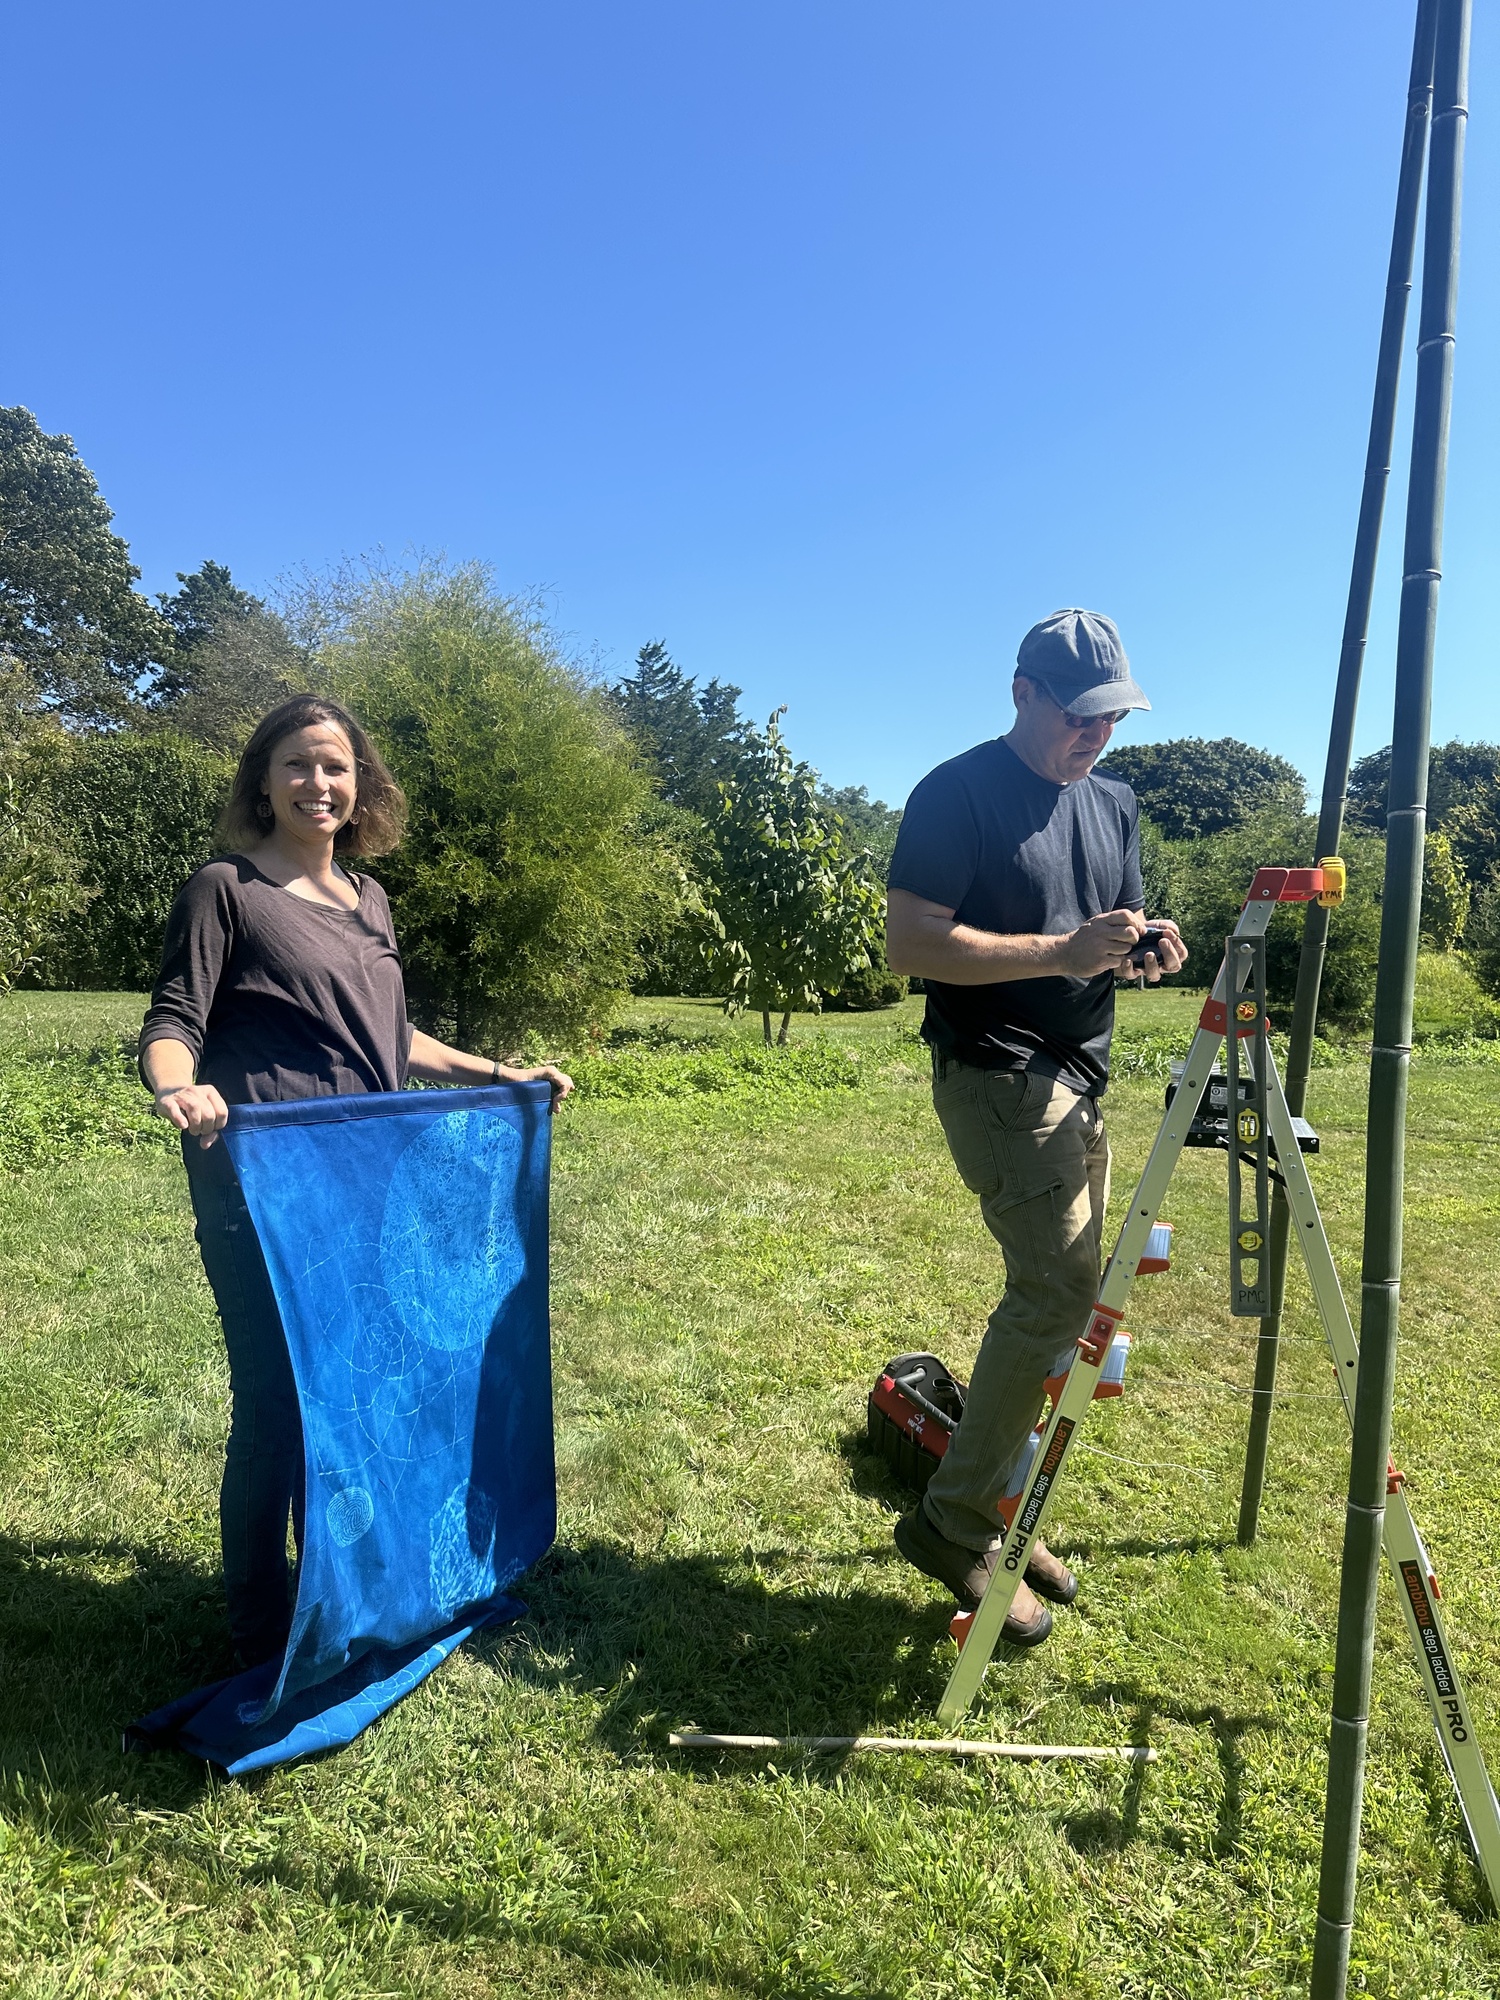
[(379, 818)]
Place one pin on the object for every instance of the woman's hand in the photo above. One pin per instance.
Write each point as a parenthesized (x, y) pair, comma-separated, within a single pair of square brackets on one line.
[(559, 1079), (437, 1063), (194, 1108)]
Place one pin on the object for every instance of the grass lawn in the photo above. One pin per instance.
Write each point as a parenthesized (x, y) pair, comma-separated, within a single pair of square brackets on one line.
[(729, 1272)]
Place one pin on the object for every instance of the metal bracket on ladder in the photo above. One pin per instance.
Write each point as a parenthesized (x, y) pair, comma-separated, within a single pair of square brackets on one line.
[(1259, 1123)]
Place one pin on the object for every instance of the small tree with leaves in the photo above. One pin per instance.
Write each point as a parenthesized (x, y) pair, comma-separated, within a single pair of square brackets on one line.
[(794, 911), (1445, 894)]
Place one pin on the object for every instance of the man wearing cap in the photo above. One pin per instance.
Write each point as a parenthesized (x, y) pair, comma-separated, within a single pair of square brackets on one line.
[(1016, 897)]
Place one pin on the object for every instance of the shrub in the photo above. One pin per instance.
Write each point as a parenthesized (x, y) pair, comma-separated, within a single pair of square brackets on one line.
[(872, 986), (530, 870), (61, 1102), (40, 865), (1482, 936), (1449, 1003), (141, 809)]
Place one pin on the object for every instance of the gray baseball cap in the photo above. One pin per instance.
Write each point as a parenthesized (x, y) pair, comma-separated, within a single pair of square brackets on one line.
[(1078, 658)]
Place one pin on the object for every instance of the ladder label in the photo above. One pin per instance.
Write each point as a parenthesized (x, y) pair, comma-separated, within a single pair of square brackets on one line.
[(1040, 1488), (1432, 1645)]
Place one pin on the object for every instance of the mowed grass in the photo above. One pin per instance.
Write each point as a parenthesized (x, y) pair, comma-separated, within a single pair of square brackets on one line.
[(728, 1275)]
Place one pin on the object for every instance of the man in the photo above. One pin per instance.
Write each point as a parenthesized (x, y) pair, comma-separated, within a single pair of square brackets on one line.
[(1015, 896)]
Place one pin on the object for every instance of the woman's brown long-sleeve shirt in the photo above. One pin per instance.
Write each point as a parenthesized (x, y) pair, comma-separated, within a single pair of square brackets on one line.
[(277, 997)]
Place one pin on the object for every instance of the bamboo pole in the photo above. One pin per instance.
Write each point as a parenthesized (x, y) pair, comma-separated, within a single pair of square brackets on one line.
[(1341, 727), (948, 1746), (1395, 978)]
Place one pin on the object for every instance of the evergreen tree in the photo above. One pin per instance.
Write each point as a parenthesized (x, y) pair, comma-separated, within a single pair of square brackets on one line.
[(690, 737), (231, 659)]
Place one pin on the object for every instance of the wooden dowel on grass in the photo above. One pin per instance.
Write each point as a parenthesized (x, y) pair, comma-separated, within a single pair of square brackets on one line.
[(946, 1746)]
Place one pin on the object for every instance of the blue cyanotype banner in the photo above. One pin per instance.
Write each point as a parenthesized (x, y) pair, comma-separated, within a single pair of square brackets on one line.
[(406, 1237)]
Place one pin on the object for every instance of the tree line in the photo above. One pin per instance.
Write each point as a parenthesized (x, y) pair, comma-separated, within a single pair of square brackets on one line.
[(567, 839), (1215, 811), (570, 839)]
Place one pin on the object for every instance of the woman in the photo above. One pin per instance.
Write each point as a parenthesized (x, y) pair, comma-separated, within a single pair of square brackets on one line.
[(281, 979)]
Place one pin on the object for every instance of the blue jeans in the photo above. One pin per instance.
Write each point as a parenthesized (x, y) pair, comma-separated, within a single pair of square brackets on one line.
[(263, 1468)]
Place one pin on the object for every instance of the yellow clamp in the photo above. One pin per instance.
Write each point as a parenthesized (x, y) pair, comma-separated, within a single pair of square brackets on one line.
[(1335, 881)]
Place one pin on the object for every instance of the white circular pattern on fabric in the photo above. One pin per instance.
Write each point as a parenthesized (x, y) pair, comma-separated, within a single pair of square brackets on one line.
[(349, 1515), (461, 1567), (449, 1253)]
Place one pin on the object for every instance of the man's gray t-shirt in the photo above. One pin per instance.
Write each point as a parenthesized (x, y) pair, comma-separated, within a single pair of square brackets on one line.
[(1008, 851)]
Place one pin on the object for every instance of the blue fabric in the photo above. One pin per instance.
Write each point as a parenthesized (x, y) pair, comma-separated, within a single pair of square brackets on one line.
[(406, 1238)]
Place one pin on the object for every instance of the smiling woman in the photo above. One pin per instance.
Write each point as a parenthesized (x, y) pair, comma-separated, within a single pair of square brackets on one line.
[(281, 980)]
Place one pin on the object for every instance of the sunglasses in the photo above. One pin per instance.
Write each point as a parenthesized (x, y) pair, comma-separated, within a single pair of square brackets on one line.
[(1109, 718)]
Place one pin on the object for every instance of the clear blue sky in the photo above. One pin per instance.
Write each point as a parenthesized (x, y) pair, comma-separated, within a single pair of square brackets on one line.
[(832, 342)]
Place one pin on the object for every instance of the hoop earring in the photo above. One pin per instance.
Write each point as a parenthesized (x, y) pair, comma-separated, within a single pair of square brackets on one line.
[(356, 816), (265, 812)]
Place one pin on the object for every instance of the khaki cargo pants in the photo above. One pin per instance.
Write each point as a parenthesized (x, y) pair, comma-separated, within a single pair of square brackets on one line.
[(1036, 1155)]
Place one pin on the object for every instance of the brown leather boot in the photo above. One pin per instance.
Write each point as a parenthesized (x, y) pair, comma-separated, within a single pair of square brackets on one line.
[(967, 1572), (1049, 1577)]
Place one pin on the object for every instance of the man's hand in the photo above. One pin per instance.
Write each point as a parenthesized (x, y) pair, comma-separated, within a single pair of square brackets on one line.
[(1172, 956), (1103, 944)]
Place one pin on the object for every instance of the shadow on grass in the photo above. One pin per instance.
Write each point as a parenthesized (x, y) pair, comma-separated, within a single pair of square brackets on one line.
[(1093, 1832), (716, 1643), (869, 1474), (93, 1634)]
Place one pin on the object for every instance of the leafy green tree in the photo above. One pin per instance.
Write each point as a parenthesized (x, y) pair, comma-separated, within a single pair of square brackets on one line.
[(68, 612), (1213, 876), (1454, 769), (1471, 826), (1191, 787), (1482, 936), (873, 825), (531, 867), (866, 822), (142, 808), (794, 911), (689, 736), (1161, 861), (232, 659), (1445, 894)]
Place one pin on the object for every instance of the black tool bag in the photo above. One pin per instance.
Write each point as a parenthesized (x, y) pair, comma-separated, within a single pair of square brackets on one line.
[(911, 1413)]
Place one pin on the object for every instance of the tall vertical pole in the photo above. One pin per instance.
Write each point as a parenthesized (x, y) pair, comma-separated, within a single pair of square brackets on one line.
[(1395, 978), (1341, 730)]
